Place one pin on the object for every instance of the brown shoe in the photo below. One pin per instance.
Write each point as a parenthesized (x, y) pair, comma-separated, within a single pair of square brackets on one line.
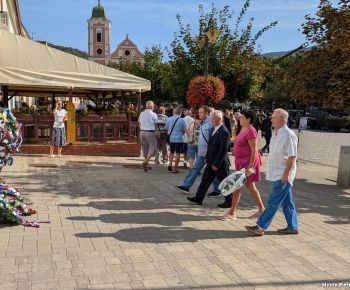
[(255, 230), (288, 231)]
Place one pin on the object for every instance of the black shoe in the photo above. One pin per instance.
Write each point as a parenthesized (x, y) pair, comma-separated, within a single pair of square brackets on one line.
[(193, 199), (287, 231), (183, 189), (224, 205), (170, 168), (214, 194)]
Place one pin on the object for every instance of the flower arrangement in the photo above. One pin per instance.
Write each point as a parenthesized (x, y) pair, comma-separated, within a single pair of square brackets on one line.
[(205, 91), (10, 137), (12, 206)]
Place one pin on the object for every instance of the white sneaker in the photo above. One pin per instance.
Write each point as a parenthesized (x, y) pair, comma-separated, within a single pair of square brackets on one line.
[(52, 156), (59, 156)]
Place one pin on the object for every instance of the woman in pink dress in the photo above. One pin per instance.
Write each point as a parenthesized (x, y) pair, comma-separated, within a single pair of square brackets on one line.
[(247, 156)]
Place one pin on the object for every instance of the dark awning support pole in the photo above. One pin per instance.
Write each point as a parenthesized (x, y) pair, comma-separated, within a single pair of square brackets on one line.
[(53, 101), (5, 98)]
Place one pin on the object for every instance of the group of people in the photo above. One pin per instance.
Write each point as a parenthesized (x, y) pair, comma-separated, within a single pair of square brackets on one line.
[(205, 141)]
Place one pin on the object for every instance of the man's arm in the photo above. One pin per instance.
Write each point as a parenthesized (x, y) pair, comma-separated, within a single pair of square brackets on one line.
[(290, 162)]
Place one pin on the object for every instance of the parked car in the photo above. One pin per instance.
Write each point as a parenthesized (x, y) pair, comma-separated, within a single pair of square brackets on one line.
[(316, 119), (337, 123)]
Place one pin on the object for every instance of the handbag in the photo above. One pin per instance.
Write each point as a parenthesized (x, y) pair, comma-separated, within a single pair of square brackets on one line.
[(168, 136)]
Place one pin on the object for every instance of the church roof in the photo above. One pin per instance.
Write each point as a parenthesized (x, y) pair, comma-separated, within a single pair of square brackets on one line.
[(127, 42), (98, 12)]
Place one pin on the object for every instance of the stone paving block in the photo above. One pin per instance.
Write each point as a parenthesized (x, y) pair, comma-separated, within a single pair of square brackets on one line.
[(45, 284)]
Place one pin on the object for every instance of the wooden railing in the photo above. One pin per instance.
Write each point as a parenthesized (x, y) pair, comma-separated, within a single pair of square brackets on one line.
[(89, 128)]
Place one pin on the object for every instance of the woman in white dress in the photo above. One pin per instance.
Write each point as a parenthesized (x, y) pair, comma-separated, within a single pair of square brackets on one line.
[(58, 137)]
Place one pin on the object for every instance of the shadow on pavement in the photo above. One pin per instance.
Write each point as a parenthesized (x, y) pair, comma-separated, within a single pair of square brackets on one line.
[(159, 235), (161, 218)]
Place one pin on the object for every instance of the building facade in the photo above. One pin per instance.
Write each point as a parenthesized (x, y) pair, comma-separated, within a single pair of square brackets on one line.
[(99, 40)]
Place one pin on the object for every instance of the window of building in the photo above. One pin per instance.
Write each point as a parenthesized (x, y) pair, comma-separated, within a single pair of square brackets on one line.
[(127, 52), (121, 52), (133, 53), (99, 51), (99, 37)]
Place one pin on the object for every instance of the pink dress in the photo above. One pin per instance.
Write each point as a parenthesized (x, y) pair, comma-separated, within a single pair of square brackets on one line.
[(242, 153)]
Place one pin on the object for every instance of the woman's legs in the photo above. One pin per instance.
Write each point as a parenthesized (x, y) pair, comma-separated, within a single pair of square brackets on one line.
[(256, 195), (59, 150), (236, 196), (51, 150)]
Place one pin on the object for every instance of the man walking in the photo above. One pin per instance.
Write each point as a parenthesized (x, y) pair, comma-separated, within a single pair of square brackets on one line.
[(161, 133), (216, 157), (148, 140), (281, 171), (199, 163)]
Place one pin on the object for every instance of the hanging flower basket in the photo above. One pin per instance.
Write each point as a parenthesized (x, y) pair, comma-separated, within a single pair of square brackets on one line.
[(205, 91)]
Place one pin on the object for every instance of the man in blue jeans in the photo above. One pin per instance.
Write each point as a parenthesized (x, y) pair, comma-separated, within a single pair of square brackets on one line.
[(200, 162), (281, 171)]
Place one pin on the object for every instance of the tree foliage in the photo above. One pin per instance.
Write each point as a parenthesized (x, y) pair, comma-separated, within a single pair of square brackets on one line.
[(233, 57), (151, 67), (327, 68)]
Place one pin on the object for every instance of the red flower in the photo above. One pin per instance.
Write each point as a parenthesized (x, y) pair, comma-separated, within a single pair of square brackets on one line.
[(205, 91)]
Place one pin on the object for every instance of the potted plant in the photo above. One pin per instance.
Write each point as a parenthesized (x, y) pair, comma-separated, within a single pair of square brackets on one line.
[(205, 91)]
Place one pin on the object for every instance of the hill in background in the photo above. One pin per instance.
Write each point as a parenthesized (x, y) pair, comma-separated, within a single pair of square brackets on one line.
[(71, 50)]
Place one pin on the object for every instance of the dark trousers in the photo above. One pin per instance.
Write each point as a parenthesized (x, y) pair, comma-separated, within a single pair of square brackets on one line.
[(207, 178), (267, 145)]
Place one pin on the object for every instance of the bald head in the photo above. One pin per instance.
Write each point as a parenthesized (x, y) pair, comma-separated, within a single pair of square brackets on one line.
[(279, 118)]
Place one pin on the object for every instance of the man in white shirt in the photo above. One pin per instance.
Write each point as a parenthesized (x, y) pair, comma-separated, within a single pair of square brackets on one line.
[(148, 120), (281, 171)]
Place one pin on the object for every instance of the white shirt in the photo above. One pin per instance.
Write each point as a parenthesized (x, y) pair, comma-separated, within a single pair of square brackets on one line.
[(148, 120), (188, 121), (283, 145), (216, 128), (59, 118)]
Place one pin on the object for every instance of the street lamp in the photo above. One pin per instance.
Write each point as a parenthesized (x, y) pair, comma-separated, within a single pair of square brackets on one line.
[(211, 34)]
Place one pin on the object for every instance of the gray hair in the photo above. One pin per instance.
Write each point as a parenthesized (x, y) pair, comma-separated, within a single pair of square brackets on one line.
[(177, 111), (217, 114), (149, 104), (188, 113), (283, 114), (211, 110)]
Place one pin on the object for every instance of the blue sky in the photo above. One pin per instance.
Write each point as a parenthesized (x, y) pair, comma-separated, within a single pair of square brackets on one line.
[(149, 22)]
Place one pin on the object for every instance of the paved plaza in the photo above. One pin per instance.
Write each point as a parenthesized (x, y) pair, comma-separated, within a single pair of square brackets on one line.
[(114, 226)]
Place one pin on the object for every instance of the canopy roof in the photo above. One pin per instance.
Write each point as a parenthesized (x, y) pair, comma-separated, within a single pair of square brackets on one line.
[(28, 64)]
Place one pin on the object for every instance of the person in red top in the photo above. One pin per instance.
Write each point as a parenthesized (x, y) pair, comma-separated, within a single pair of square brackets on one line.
[(247, 156)]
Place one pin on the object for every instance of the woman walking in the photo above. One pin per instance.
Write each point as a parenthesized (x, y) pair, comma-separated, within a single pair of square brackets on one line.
[(247, 156), (58, 138)]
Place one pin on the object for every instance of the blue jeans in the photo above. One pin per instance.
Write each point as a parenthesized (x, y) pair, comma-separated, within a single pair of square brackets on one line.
[(192, 152), (281, 195), (192, 175)]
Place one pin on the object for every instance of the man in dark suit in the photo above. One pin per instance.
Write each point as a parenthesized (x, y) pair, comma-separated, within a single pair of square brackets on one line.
[(217, 159)]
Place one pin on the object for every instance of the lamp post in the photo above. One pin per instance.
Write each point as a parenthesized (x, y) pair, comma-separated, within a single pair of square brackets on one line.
[(210, 35)]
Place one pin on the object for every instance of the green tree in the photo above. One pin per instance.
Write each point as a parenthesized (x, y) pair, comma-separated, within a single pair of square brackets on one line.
[(323, 76), (153, 68), (233, 57)]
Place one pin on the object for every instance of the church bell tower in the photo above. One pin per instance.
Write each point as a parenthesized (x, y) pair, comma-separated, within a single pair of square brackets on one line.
[(99, 35)]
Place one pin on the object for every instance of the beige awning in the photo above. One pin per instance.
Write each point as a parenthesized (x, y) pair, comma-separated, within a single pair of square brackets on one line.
[(26, 63)]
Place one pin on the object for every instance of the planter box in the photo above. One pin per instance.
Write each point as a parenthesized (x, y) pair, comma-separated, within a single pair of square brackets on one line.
[(91, 118), (115, 117), (24, 118), (46, 118)]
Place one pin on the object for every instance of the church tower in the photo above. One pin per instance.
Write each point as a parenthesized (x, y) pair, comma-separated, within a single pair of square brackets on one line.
[(99, 35)]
